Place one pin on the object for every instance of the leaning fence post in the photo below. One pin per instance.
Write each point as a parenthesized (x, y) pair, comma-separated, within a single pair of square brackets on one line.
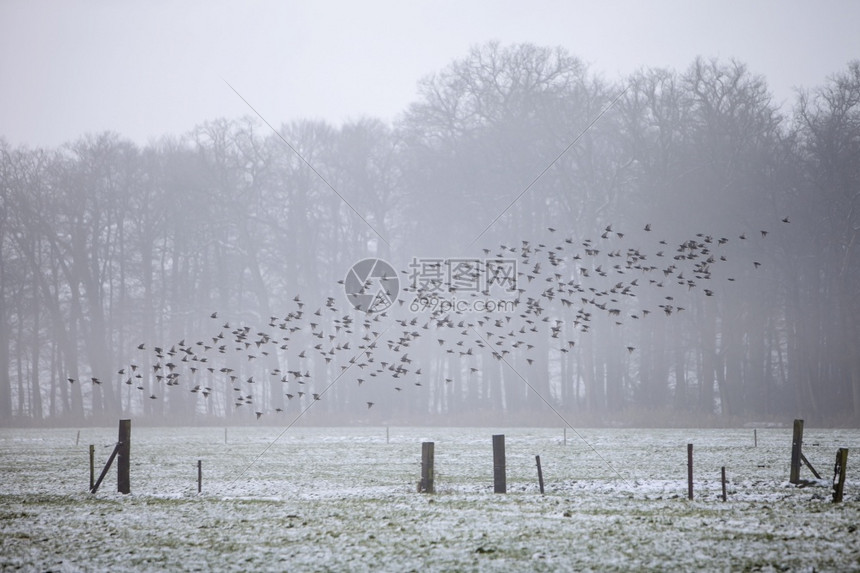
[(690, 471), (839, 471), (427, 453), (499, 479), (102, 475), (123, 462), (540, 474)]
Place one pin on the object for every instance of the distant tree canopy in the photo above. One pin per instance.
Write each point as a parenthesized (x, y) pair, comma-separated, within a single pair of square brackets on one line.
[(110, 249)]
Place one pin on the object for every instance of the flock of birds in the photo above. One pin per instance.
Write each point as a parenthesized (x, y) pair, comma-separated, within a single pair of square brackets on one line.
[(563, 286)]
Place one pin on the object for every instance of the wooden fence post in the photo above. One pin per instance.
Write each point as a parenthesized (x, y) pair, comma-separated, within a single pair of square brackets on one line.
[(499, 478), (123, 462), (690, 471), (755, 438), (723, 479), (839, 471), (796, 444), (92, 466), (426, 484), (540, 474), (199, 476)]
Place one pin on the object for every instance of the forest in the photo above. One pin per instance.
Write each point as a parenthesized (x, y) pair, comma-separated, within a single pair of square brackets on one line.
[(686, 253)]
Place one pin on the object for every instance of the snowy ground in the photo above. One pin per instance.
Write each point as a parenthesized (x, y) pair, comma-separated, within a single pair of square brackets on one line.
[(342, 499)]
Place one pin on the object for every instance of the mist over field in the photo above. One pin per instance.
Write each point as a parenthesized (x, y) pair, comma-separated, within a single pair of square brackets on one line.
[(440, 286), (395, 213), (670, 248)]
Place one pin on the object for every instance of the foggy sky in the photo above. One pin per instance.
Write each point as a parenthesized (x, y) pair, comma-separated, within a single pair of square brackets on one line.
[(150, 69)]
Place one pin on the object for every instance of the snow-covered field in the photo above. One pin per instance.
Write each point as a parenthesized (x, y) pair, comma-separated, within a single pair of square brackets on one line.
[(343, 499)]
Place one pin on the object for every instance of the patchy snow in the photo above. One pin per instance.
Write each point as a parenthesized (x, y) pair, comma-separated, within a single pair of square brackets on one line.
[(344, 499)]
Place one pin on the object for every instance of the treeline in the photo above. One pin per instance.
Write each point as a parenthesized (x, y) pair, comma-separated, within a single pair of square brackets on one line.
[(107, 246)]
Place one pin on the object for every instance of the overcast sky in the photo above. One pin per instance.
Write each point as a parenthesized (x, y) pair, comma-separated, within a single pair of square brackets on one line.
[(146, 69)]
